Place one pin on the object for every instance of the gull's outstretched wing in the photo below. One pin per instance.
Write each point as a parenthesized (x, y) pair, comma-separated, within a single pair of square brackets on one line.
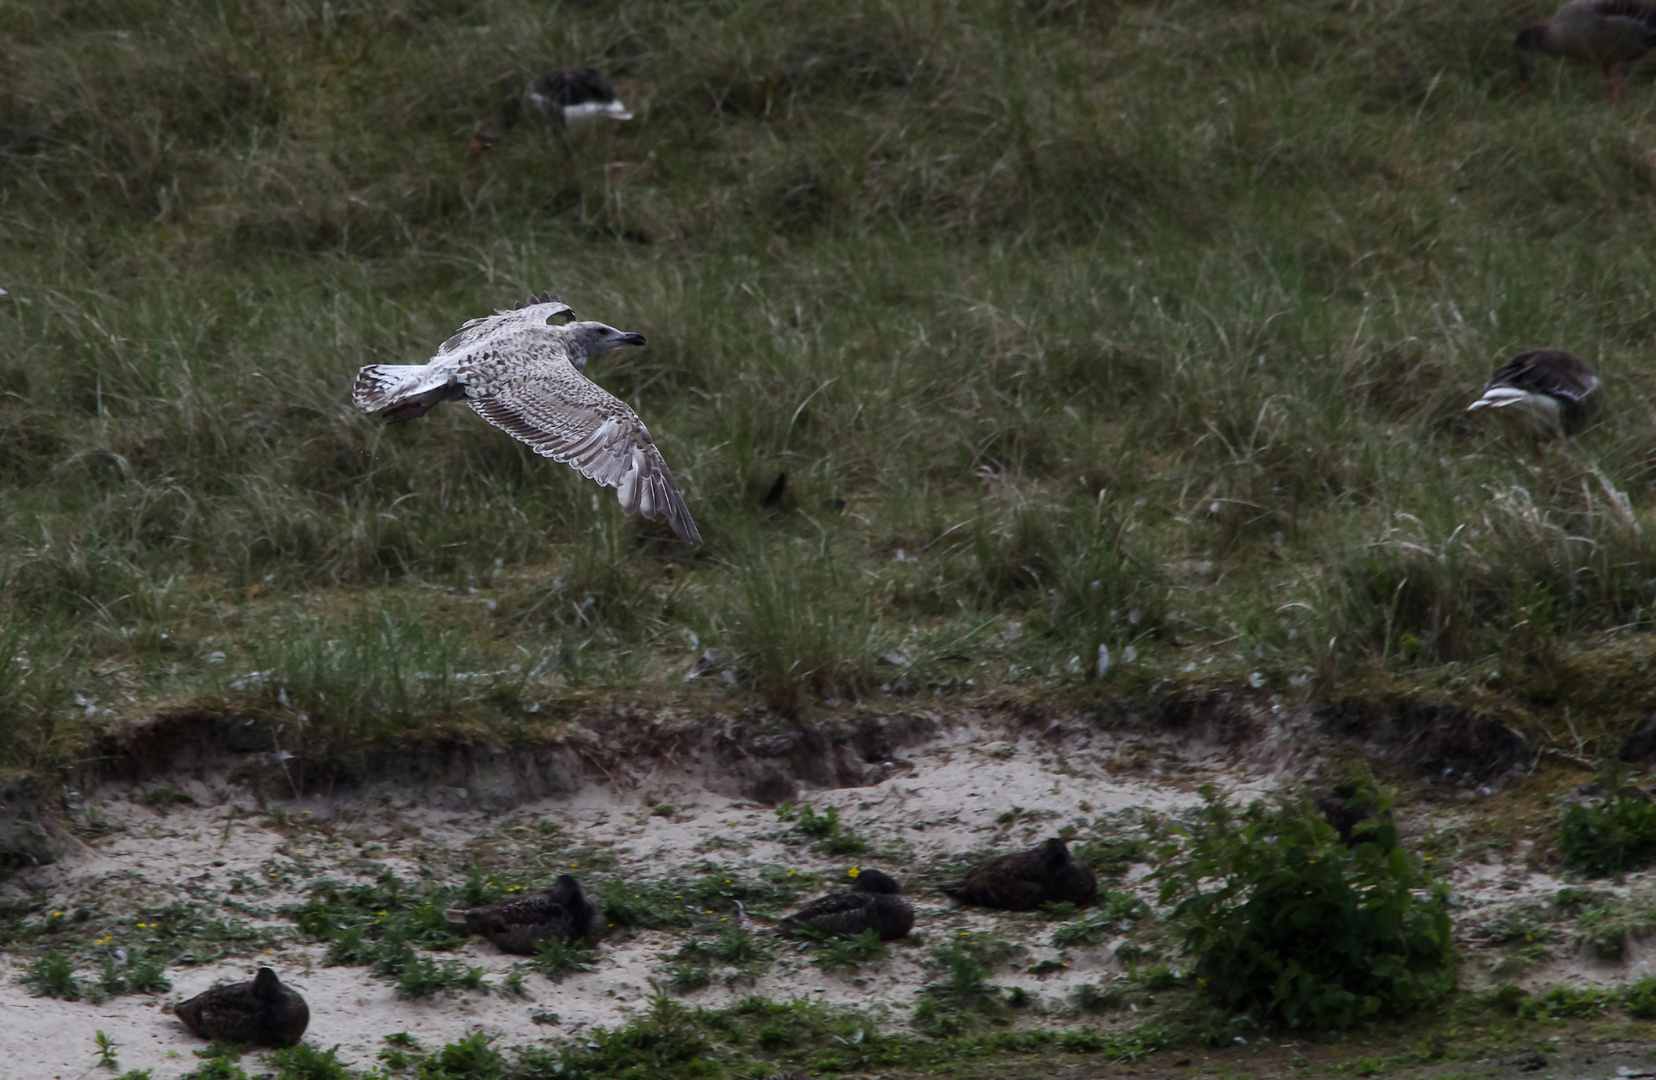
[(565, 416), (533, 311)]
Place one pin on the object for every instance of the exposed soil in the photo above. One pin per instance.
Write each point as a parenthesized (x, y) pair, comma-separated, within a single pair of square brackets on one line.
[(237, 834)]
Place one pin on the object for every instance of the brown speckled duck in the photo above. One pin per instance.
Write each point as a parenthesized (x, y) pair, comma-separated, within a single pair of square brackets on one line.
[(1554, 392), (1611, 33), (519, 924), (259, 1012), (872, 903), (1048, 874)]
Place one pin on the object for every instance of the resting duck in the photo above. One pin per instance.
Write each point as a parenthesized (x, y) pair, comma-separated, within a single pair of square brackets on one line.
[(519, 924), (872, 903), (259, 1012), (1048, 874), (1610, 33), (1553, 390)]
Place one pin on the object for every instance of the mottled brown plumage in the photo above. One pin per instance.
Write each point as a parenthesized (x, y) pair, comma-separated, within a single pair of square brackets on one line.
[(260, 1012), (872, 903), (520, 924), (525, 377), (1048, 874), (1611, 33)]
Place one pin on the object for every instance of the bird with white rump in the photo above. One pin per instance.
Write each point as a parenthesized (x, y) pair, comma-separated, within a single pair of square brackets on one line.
[(1549, 390), (526, 378)]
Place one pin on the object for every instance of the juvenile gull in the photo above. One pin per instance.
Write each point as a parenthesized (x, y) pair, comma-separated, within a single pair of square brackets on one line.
[(1553, 390), (525, 377)]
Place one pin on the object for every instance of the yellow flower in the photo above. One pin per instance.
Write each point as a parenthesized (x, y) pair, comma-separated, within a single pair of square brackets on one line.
[(57, 914), (852, 871), (304, 811)]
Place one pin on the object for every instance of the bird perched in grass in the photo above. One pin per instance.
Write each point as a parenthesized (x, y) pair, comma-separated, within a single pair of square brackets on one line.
[(520, 923), (1548, 389), (872, 903), (260, 1012), (525, 377), (1048, 874), (1611, 33), (574, 95)]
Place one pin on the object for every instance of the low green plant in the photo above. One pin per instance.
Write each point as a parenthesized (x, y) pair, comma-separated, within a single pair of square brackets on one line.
[(106, 1050), (1115, 914), (1641, 998), (558, 959), (420, 977), (963, 994), (53, 975), (302, 1062), (135, 1074), (1291, 927), (1564, 1003), (844, 952), (471, 1058), (688, 976), (511, 985), (218, 1068), (734, 948), (1614, 837)]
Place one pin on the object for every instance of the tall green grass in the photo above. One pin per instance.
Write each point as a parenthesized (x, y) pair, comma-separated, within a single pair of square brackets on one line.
[(1053, 314)]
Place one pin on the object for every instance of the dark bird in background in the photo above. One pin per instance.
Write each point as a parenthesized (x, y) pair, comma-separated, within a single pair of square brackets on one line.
[(1551, 390), (1611, 33), (519, 924), (259, 1012), (1359, 815), (872, 903), (1048, 874), (574, 95), (773, 497)]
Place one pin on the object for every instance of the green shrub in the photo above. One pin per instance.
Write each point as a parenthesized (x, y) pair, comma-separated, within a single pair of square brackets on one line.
[(1611, 838), (1291, 927), (1641, 999), (53, 975), (558, 959), (1563, 1003)]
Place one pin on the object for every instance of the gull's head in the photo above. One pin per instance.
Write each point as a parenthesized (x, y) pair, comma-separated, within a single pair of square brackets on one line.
[(591, 338)]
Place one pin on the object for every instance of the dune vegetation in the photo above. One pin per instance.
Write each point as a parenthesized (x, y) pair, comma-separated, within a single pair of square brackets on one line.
[(1104, 345)]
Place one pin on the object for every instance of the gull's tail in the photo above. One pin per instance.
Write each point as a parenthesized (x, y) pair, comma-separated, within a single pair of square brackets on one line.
[(403, 391)]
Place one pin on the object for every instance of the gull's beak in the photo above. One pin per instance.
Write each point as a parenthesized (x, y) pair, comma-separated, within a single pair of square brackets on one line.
[(632, 339)]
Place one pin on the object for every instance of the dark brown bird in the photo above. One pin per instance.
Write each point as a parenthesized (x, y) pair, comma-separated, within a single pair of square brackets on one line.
[(872, 903), (1348, 806), (259, 1012), (519, 924), (1552, 390), (1048, 874), (1611, 33)]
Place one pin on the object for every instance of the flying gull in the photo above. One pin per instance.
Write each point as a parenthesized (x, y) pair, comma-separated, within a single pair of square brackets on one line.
[(525, 377), (1553, 390)]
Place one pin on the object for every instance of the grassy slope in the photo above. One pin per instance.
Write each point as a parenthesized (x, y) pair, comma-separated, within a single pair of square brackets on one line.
[(1135, 324)]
